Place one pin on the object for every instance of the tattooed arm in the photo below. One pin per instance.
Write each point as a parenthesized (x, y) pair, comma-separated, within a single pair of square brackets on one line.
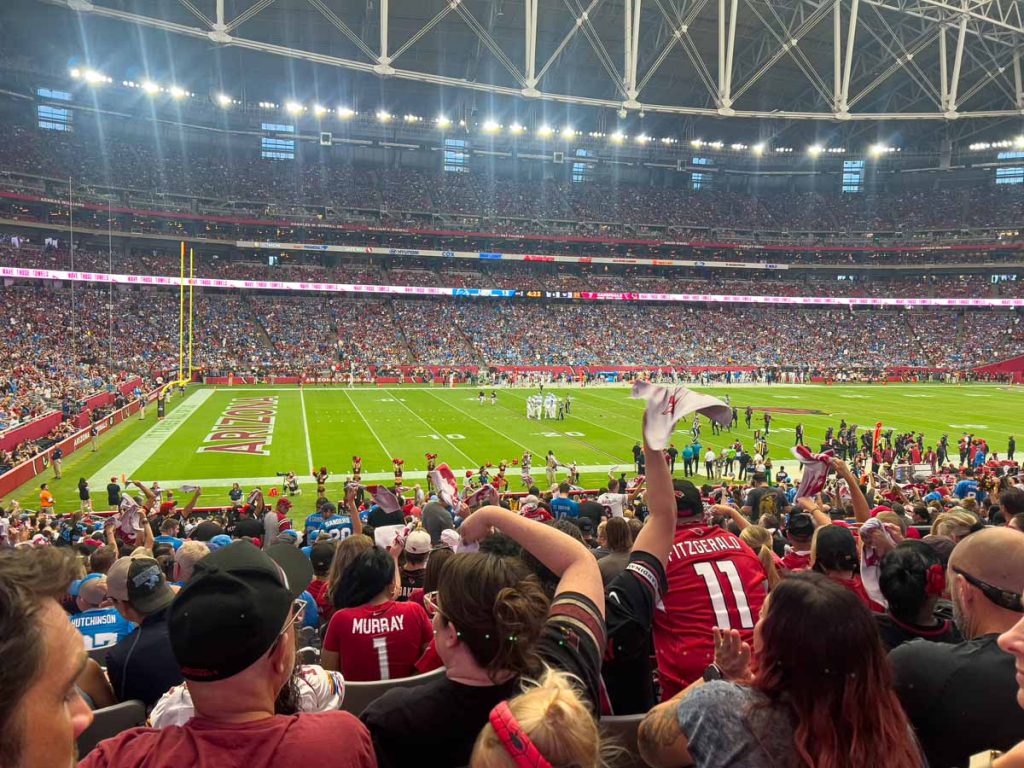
[(662, 742)]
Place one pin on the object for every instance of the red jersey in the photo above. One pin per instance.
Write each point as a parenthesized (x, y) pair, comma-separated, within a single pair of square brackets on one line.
[(714, 579), (379, 642), (856, 586), (796, 561), (318, 590)]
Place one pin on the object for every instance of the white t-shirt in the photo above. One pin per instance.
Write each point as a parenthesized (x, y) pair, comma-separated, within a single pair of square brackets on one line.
[(709, 456), (614, 503)]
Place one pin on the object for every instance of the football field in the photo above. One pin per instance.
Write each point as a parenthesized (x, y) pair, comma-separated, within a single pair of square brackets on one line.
[(216, 436)]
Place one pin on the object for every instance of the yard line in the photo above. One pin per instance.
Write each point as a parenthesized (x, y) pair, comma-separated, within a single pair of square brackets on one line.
[(139, 452), (305, 429), (485, 424), (429, 426), (367, 423)]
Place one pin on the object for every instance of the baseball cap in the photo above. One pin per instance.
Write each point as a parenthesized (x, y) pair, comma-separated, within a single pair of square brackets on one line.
[(139, 582), (234, 608), (688, 501), (77, 584), (219, 541), (321, 555), (418, 543), (206, 530), (801, 526)]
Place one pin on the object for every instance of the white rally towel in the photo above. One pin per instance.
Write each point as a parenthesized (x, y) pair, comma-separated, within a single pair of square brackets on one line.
[(815, 470), (385, 499), (444, 482), (667, 405)]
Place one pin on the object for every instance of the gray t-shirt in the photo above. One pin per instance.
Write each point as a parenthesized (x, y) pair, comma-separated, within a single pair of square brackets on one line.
[(734, 726), (436, 518)]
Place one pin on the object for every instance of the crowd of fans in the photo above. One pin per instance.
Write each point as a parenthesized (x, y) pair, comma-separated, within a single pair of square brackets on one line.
[(226, 177), (875, 620)]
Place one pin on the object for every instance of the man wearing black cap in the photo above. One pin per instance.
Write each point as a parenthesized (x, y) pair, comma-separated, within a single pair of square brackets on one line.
[(232, 628), (714, 579), (141, 666)]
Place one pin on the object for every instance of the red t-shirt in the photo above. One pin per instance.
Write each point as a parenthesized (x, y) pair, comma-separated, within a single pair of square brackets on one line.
[(714, 579), (379, 642), (856, 586), (282, 741), (797, 561), (318, 590)]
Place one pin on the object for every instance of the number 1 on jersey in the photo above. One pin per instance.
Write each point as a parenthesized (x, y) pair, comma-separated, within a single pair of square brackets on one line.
[(726, 568)]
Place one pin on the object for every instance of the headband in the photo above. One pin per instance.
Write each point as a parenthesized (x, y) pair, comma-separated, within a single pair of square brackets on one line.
[(517, 744)]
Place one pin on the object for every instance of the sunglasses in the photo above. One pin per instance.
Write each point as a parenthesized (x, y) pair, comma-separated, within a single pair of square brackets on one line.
[(295, 615), (1004, 598)]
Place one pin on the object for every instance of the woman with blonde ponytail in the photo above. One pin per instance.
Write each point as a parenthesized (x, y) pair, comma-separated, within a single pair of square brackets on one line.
[(759, 540)]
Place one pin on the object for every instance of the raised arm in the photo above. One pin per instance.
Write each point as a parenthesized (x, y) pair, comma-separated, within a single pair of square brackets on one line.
[(861, 510), (657, 534), (561, 554), (814, 509), (353, 510), (147, 492), (191, 503), (741, 520)]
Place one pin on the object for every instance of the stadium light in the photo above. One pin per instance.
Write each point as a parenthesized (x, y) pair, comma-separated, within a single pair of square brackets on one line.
[(516, 128), (92, 77), (410, 118), (150, 87), (877, 150), (737, 147), (319, 110), (758, 149), (568, 132), (815, 149), (383, 116), (75, 73), (491, 126), (346, 112), (177, 92), (293, 107), (643, 138), (716, 145), (1019, 141), (618, 137), (545, 130), (442, 121), (223, 99), (696, 143)]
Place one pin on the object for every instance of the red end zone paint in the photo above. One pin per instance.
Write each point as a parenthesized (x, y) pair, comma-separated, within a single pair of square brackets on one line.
[(248, 423)]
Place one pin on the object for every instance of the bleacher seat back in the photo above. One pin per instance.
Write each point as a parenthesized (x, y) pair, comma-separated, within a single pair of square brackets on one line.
[(110, 721), (358, 695)]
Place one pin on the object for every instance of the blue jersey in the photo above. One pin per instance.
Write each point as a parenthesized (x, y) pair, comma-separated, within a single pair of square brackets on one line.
[(564, 508), (102, 627), (340, 523), (174, 541), (965, 488), (313, 523)]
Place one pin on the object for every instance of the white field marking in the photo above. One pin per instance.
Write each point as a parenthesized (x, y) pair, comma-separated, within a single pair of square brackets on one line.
[(444, 437), (368, 425), (976, 394), (481, 423), (305, 429), (912, 394), (139, 452), (862, 397), (969, 426)]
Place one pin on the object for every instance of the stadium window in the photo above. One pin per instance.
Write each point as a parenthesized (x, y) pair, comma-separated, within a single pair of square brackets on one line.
[(278, 128), (277, 149), (702, 161), (54, 118), (455, 156), (1011, 174), (582, 171), (48, 93), (853, 176)]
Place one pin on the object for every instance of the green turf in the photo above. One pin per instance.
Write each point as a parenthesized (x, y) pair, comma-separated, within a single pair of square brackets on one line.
[(407, 422)]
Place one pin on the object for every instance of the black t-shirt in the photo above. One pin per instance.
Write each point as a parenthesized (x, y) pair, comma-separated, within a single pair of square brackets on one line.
[(960, 698), (411, 580), (593, 511), (895, 632), (248, 526), (629, 607), (440, 721), (206, 530), (765, 501), (379, 518), (113, 494)]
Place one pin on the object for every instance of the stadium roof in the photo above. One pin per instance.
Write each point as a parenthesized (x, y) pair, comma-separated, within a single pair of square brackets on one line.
[(846, 61)]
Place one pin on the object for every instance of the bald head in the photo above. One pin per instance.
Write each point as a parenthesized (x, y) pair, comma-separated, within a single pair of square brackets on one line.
[(994, 555)]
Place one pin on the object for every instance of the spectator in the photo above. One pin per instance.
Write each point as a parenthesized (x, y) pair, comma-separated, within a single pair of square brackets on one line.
[(950, 691), (142, 665), (494, 626), (713, 579), (760, 540), (371, 636), (232, 628), (415, 557), (834, 554), (185, 559), (912, 580), (619, 541), (956, 524), (41, 711), (821, 693), (101, 626), (321, 555), (345, 554), (101, 560)]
